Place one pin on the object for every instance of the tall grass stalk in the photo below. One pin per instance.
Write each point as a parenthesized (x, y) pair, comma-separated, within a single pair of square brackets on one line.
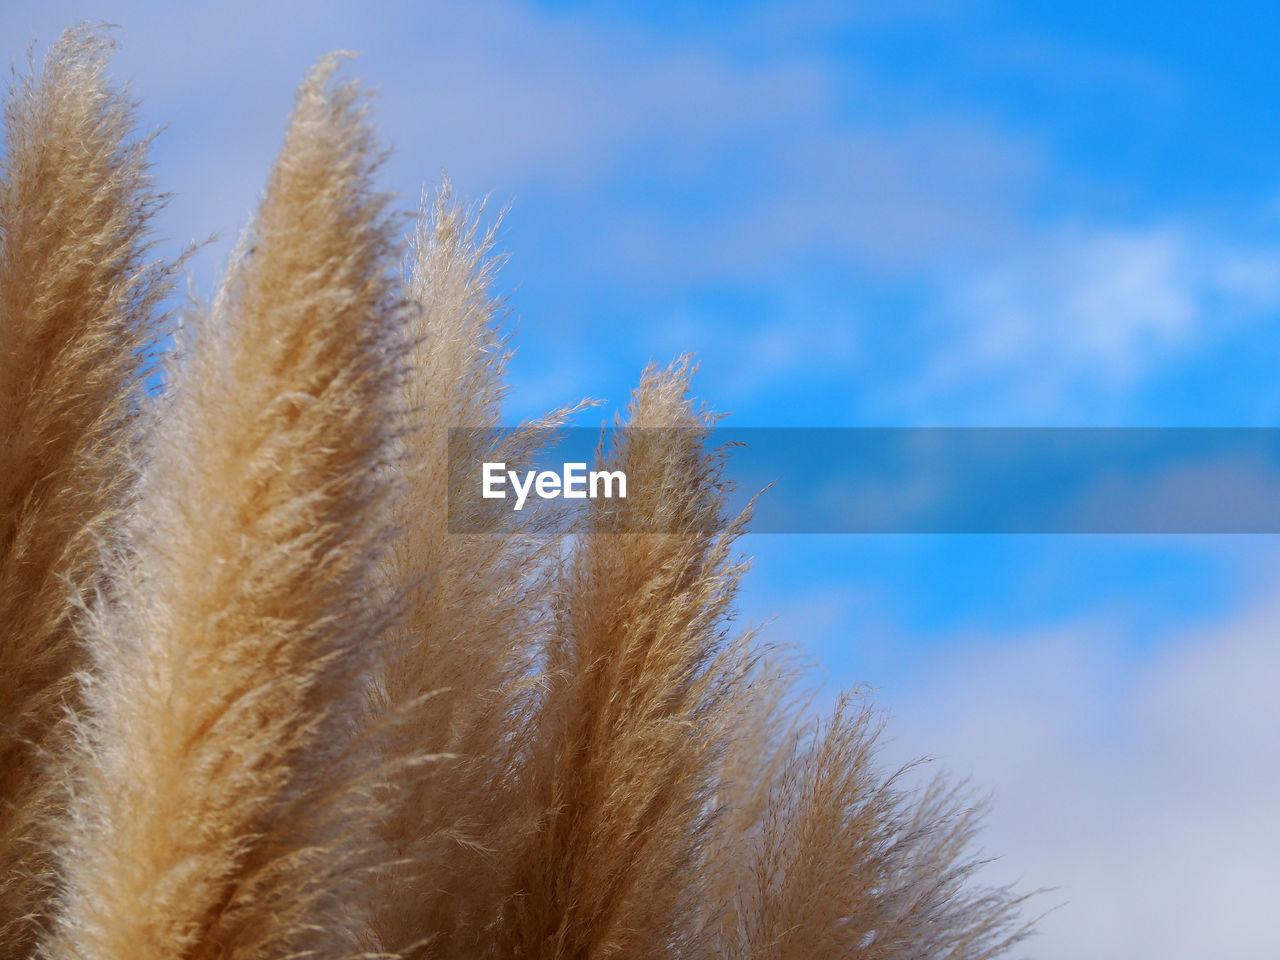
[(221, 799), (462, 676), (258, 701), (79, 309)]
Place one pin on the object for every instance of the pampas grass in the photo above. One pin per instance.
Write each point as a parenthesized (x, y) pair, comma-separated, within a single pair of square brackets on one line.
[(78, 309), (642, 682), (461, 671), (884, 871), (260, 702), (220, 794)]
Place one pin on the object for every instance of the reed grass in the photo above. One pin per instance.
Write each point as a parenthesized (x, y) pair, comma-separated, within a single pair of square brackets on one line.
[(79, 311), (462, 673), (220, 796), (258, 701)]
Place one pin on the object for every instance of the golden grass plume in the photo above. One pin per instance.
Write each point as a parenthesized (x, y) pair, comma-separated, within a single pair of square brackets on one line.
[(842, 860), (234, 622), (642, 680), (220, 805), (461, 675), (79, 306)]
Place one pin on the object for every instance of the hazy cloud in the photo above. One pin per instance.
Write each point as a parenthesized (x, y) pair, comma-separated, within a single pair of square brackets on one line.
[(1087, 309), (1141, 786)]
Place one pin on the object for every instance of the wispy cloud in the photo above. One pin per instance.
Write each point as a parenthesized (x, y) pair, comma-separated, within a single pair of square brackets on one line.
[(1088, 310), (645, 163), (1139, 787)]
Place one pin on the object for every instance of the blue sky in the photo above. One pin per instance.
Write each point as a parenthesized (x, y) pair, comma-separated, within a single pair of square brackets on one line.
[(919, 213)]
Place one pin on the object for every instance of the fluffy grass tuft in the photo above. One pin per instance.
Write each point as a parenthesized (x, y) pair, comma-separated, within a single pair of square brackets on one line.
[(257, 701), (78, 312), (220, 802), (642, 681), (461, 678), (840, 860)]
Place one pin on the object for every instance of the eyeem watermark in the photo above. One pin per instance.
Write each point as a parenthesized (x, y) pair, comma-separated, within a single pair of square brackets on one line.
[(872, 480), (573, 482)]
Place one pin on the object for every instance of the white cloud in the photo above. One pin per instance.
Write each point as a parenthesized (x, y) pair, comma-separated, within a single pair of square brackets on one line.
[(1102, 300), (898, 200), (512, 99), (1088, 309), (653, 163), (1143, 787)]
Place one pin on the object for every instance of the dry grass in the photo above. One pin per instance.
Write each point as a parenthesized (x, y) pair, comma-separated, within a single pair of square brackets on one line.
[(642, 688), (841, 861), (77, 311), (220, 799), (461, 676), (308, 720)]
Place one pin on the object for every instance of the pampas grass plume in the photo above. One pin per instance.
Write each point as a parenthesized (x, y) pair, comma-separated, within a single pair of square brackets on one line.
[(461, 677), (642, 680), (257, 701), (845, 861), (219, 804), (78, 311)]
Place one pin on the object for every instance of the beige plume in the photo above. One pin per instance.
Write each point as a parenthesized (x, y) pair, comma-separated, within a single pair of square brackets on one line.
[(642, 686), (78, 313), (222, 805)]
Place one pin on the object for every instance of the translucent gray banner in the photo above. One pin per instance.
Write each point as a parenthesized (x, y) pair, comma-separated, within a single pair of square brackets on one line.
[(875, 480)]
